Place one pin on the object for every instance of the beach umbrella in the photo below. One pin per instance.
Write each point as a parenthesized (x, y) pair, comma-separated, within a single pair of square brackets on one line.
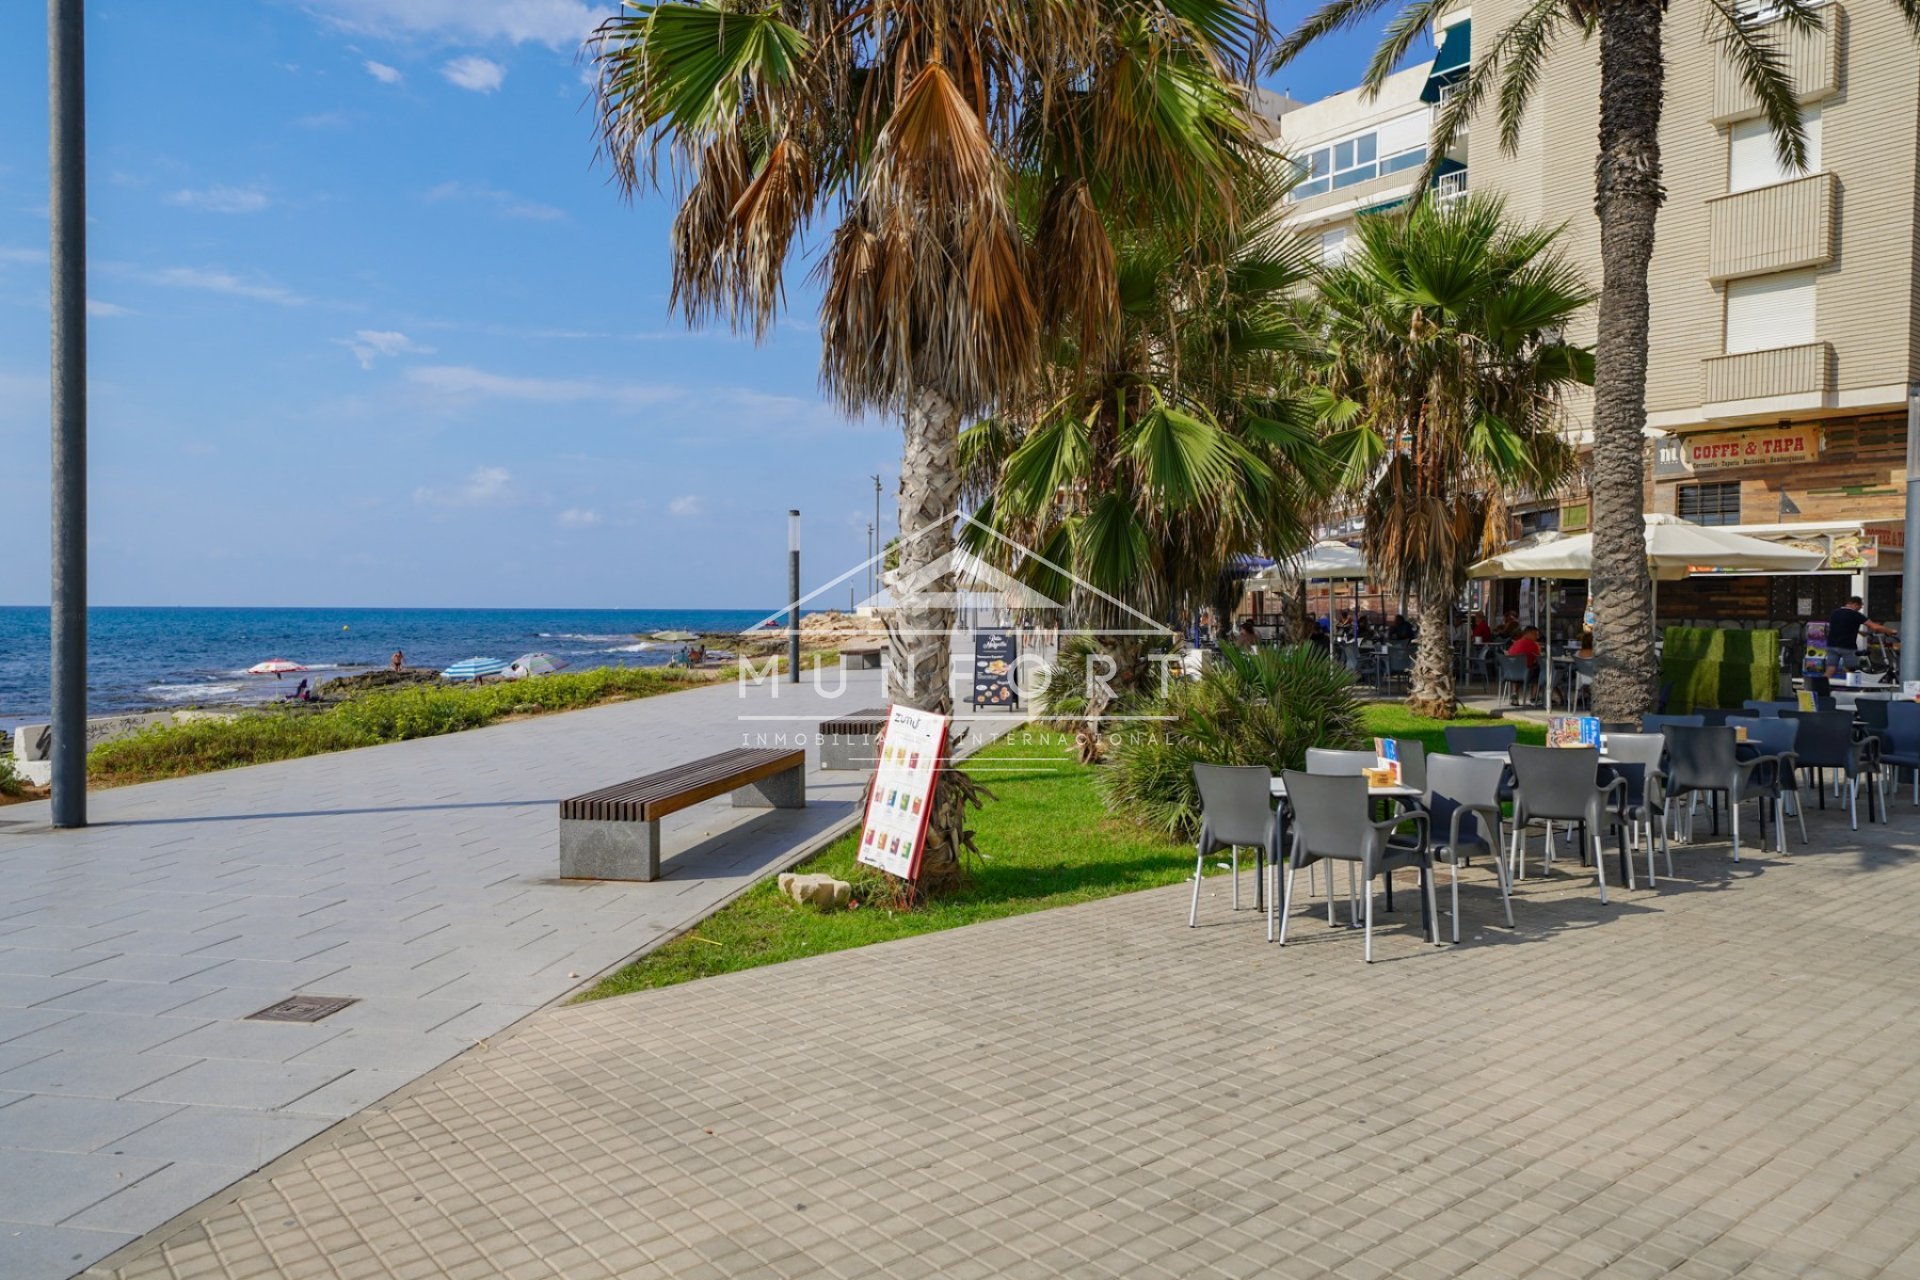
[(273, 667), (534, 664), (474, 669), (676, 637)]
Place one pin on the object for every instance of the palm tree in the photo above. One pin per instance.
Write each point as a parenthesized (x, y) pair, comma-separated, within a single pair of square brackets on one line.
[(1140, 469), (903, 132), (1628, 192), (1443, 386)]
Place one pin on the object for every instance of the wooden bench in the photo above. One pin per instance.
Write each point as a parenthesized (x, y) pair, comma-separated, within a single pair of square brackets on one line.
[(861, 658), (614, 833), (850, 741)]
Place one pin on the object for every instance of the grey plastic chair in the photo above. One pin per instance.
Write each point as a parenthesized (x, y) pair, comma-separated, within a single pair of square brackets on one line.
[(1236, 811), (1827, 741), (1328, 763), (1778, 736), (1490, 737), (1769, 710), (1561, 784), (1705, 761), (1413, 762), (1463, 800), (1638, 759), (1900, 741), (1331, 823), (1516, 674), (1651, 723)]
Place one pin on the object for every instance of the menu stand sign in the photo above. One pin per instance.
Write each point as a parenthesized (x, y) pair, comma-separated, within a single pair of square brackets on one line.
[(995, 652), (913, 748)]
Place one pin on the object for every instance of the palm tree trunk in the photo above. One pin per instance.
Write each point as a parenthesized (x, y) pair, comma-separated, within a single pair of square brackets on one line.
[(1627, 196), (919, 633), (1430, 691)]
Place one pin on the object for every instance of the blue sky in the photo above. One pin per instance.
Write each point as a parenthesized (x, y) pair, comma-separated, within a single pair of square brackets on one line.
[(370, 327)]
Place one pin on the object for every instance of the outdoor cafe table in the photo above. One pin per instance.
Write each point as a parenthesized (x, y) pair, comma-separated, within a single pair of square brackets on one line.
[(1278, 786)]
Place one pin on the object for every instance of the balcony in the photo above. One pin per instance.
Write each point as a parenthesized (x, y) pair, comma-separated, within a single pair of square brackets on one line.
[(1449, 187), (1813, 64), (1776, 228), (1765, 375)]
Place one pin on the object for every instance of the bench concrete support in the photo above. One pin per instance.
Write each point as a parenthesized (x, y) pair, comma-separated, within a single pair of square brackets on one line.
[(592, 849), (860, 659), (851, 751), (781, 791)]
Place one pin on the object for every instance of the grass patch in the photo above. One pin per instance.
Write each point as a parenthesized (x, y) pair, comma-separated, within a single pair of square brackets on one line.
[(1047, 841), (1392, 720), (395, 715)]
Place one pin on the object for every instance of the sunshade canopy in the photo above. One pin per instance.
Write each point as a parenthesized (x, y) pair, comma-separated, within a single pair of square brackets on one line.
[(1675, 549)]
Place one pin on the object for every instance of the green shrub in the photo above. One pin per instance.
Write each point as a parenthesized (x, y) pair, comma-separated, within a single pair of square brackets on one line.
[(1062, 691), (1262, 708), (11, 783)]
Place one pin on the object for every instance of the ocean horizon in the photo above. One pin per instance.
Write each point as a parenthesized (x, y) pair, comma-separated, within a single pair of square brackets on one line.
[(156, 657)]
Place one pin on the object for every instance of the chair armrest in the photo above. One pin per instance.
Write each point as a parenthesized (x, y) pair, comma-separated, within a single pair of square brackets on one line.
[(1419, 818)]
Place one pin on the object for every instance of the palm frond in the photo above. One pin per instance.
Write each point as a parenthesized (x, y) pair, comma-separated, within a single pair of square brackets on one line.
[(1754, 49)]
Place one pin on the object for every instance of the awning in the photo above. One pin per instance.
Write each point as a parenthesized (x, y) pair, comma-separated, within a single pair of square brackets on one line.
[(1450, 64)]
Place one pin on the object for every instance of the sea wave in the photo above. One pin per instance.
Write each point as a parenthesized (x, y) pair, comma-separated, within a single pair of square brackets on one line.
[(645, 646), (191, 692), (589, 639)]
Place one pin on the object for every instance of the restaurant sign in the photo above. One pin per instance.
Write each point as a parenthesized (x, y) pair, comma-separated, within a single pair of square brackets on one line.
[(1722, 450)]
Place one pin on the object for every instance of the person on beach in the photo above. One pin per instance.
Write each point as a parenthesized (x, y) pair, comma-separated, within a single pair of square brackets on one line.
[(399, 660)]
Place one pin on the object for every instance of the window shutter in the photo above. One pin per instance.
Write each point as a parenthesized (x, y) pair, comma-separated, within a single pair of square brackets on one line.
[(1767, 312), (1753, 161)]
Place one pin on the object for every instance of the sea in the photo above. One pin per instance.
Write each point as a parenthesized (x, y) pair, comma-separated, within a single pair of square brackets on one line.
[(152, 659)]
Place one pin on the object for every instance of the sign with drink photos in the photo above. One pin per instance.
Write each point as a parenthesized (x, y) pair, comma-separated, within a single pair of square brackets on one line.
[(901, 802)]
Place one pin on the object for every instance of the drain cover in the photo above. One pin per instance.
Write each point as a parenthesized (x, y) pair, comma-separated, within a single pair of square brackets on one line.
[(303, 1009)]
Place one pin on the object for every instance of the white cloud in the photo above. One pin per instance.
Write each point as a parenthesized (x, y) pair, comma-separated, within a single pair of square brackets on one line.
[(382, 72), (369, 344), (690, 505), (217, 281), (509, 205), (578, 518), (26, 257), (95, 307), (482, 75), (486, 486), (559, 24), (463, 382), (223, 199)]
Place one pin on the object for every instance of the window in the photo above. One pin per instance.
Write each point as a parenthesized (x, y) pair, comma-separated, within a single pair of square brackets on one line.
[(1396, 145), (1710, 503), (1754, 161), (1333, 245), (1768, 312)]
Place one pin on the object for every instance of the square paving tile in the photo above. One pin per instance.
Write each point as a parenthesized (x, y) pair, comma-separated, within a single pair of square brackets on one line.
[(82, 1073), (44, 1188), (231, 1082), (54, 1122)]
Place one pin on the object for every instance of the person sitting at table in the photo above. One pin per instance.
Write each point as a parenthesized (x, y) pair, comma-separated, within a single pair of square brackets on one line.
[(1400, 631), (1247, 638), (1586, 644), (1528, 646), (1482, 633)]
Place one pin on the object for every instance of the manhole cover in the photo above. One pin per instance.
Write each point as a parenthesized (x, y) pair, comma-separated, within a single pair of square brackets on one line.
[(303, 1009)]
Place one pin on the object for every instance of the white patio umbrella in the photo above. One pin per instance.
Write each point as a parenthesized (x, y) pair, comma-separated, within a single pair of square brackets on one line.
[(1325, 561), (1675, 549)]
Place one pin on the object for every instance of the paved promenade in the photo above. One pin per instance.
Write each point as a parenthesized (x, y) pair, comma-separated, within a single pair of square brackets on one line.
[(418, 877), (1717, 1078)]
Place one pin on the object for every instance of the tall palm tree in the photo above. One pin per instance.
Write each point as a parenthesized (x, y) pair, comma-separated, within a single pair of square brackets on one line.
[(1443, 387), (1628, 192), (903, 132), (1139, 470)]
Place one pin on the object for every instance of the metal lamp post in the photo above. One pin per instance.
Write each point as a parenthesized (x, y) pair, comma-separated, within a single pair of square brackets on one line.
[(793, 597), (67, 259)]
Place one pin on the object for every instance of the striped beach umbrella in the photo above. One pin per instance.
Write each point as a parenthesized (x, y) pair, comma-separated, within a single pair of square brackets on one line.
[(534, 664), (273, 667), (474, 669), (675, 637)]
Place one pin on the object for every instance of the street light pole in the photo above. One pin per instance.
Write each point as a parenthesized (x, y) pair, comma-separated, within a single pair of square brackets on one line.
[(879, 539), (1910, 548), (67, 261), (793, 597)]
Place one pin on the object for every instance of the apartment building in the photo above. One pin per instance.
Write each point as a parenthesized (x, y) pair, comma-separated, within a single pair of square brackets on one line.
[(1785, 364)]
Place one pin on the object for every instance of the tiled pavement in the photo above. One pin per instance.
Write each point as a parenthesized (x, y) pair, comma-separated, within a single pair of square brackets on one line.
[(418, 877), (1711, 1079)]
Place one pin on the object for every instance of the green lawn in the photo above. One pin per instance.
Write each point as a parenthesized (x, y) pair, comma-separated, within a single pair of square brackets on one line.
[(1045, 842), (1392, 720)]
